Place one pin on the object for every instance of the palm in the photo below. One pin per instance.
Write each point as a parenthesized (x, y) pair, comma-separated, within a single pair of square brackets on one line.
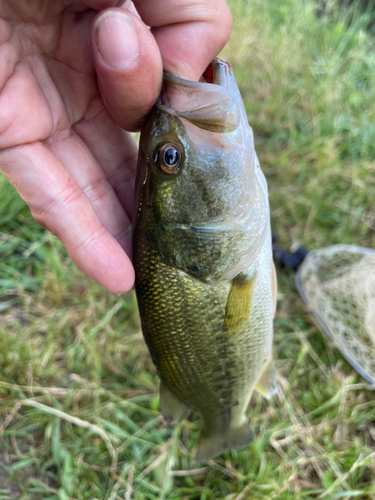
[(41, 69), (51, 93), (51, 105), (59, 144)]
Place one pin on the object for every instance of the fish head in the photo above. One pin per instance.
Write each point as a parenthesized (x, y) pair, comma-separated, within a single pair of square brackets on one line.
[(199, 199)]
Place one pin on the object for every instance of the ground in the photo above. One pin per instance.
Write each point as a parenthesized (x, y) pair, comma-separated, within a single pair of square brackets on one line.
[(78, 393)]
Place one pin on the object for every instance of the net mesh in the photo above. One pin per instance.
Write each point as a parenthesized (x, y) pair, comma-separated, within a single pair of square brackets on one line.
[(338, 285)]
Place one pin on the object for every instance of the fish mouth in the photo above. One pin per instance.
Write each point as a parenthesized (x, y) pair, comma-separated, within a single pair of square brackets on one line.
[(213, 103), (217, 73)]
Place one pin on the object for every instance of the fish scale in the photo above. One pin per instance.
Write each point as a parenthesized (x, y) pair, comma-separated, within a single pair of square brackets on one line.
[(202, 256)]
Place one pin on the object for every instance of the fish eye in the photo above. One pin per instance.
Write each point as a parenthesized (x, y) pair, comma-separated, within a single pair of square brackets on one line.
[(169, 157)]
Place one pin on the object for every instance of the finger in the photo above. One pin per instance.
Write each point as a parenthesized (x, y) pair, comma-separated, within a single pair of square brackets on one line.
[(115, 151), (102, 4), (128, 65), (77, 158), (189, 33), (57, 202)]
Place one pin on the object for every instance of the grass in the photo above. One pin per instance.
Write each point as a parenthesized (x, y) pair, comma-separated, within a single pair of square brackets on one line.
[(78, 393)]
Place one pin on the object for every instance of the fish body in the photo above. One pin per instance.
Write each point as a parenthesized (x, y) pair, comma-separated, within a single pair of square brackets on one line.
[(205, 281)]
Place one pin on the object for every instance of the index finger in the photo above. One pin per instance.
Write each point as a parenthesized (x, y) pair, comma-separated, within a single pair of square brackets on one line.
[(189, 33)]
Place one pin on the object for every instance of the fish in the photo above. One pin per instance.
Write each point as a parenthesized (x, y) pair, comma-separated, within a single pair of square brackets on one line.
[(204, 276)]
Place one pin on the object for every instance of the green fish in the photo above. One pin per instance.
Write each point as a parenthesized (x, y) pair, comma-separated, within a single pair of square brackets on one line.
[(205, 280)]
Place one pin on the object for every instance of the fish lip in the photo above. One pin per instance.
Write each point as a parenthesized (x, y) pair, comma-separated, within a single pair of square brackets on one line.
[(210, 106), (215, 64)]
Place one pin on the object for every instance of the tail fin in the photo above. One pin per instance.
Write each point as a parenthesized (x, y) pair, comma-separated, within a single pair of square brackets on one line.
[(211, 445)]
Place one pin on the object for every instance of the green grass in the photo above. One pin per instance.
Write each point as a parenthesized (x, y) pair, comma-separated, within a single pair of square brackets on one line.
[(78, 393)]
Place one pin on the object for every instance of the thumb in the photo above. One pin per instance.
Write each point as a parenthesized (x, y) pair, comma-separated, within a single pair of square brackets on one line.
[(128, 65)]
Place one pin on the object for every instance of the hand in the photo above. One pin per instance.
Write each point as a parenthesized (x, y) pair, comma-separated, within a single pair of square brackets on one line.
[(70, 81)]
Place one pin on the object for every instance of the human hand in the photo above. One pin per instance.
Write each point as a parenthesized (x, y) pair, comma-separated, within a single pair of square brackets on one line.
[(70, 81)]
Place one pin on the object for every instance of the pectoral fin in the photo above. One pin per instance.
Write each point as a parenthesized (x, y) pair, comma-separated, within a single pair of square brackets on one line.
[(238, 308), (267, 384)]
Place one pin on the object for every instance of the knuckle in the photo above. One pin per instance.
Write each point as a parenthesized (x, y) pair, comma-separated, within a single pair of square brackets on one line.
[(93, 239), (97, 190), (70, 194), (44, 213), (39, 217), (124, 172), (41, 214), (123, 234)]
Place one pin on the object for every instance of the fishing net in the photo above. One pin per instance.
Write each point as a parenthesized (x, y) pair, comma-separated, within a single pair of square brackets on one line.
[(338, 285)]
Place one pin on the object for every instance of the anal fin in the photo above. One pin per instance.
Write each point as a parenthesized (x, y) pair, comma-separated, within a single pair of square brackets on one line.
[(172, 409), (211, 445), (267, 384)]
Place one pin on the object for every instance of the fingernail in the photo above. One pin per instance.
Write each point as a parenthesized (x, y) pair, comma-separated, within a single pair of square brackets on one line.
[(117, 39)]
